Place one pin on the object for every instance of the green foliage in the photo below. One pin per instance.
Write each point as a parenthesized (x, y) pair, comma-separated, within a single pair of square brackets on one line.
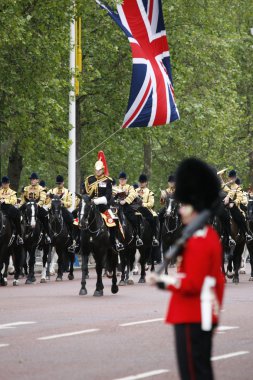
[(211, 55)]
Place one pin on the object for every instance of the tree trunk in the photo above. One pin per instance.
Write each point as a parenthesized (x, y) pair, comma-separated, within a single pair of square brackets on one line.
[(251, 167), (147, 147), (15, 166), (78, 145)]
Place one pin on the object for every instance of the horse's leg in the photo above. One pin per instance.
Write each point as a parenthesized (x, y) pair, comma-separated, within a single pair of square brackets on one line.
[(31, 278), (230, 272), (17, 254), (237, 257), (53, 262), (48, 262), (143, 261), (44, 261), (99, 268), (71, 268), (60, 263), (130, 265), (113, 262), (83, 290), (251, 261)]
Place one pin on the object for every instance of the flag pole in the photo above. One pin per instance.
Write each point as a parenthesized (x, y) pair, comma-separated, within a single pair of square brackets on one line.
[(72, 117)]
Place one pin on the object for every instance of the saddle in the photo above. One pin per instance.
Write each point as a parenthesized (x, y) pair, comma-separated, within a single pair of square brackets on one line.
[(108, 218)]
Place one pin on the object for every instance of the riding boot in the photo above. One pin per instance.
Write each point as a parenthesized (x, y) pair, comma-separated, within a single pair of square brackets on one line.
[(155, 241), (139, 241), (46, 228), (114, 242), (20, 240), (72, 247)]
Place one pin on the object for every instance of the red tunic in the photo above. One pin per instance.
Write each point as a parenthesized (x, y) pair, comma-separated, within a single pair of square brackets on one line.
[(202, 257)]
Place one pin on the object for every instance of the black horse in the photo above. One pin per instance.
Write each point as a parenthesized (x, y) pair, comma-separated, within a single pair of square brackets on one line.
[(5, 239), (32, 235), (172, 226), (250, 244), (95, 238), (127, 255), (234, 251), (60, 238)]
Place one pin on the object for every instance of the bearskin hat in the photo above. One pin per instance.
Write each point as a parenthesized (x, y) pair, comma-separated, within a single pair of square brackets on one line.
[(5, 179), (171, 178), (59, 179), (34, 176), (122, 175), (143, 178), (197, 184), (232, 173)]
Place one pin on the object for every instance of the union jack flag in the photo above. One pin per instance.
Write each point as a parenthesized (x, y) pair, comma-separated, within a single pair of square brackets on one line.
[(151, 100)]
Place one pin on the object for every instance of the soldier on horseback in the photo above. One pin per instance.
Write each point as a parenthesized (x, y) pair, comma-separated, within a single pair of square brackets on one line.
[(99, 189), (146, 209), (66, 201), (234, 199), (36, 193), (164, 194), (127, 195), (8, 200)]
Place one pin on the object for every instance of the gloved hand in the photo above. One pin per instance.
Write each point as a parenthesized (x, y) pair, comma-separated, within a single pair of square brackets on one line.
[(122, 202), (163, 281)]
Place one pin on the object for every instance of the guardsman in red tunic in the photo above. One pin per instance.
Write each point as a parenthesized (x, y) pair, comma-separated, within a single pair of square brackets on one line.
[(197, 288)]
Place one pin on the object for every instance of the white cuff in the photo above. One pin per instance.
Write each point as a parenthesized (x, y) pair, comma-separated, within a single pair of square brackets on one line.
[(100, 201)]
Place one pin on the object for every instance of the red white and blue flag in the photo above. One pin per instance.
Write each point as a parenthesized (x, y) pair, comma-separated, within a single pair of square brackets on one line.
[(151, 101)]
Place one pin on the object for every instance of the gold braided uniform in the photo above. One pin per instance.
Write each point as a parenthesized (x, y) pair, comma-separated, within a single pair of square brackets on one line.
[(36, 193), (164, 193), (148, 199), (127, 191), (65, 194), (235, 193), (9, 196)]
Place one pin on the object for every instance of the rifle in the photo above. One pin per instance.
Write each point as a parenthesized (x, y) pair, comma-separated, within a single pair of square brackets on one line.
[(199, 222)]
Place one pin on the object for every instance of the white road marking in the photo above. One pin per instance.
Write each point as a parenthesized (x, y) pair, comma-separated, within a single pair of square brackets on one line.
[(142, 322), (225, 328), (144, 375), (227, 356), (4, 345), (67, 334), (14, 325)]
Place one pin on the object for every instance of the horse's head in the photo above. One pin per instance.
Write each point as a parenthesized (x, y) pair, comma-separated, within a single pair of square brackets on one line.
[(171, 206), (31, 213), (56, 206), (250, 208), (85, 207)]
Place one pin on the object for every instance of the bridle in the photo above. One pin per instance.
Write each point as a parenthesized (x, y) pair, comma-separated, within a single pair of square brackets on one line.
[(171, 213), (56, 218), (84, 223)]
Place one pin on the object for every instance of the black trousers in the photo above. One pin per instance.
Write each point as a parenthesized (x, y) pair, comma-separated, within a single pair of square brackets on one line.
[(239, 219), (150, 218), (130, 215), (14, 215), (193, 348), (225, 220), (43, 217)]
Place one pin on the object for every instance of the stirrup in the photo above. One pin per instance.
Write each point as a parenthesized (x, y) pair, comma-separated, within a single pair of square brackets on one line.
[(47, 239), (20, 241), (139, 242), (248, 237), (231, 242), (155, 242), (119, 246), (72, 247)]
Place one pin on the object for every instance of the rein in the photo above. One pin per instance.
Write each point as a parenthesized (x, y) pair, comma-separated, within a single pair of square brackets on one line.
[(88, 225)]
